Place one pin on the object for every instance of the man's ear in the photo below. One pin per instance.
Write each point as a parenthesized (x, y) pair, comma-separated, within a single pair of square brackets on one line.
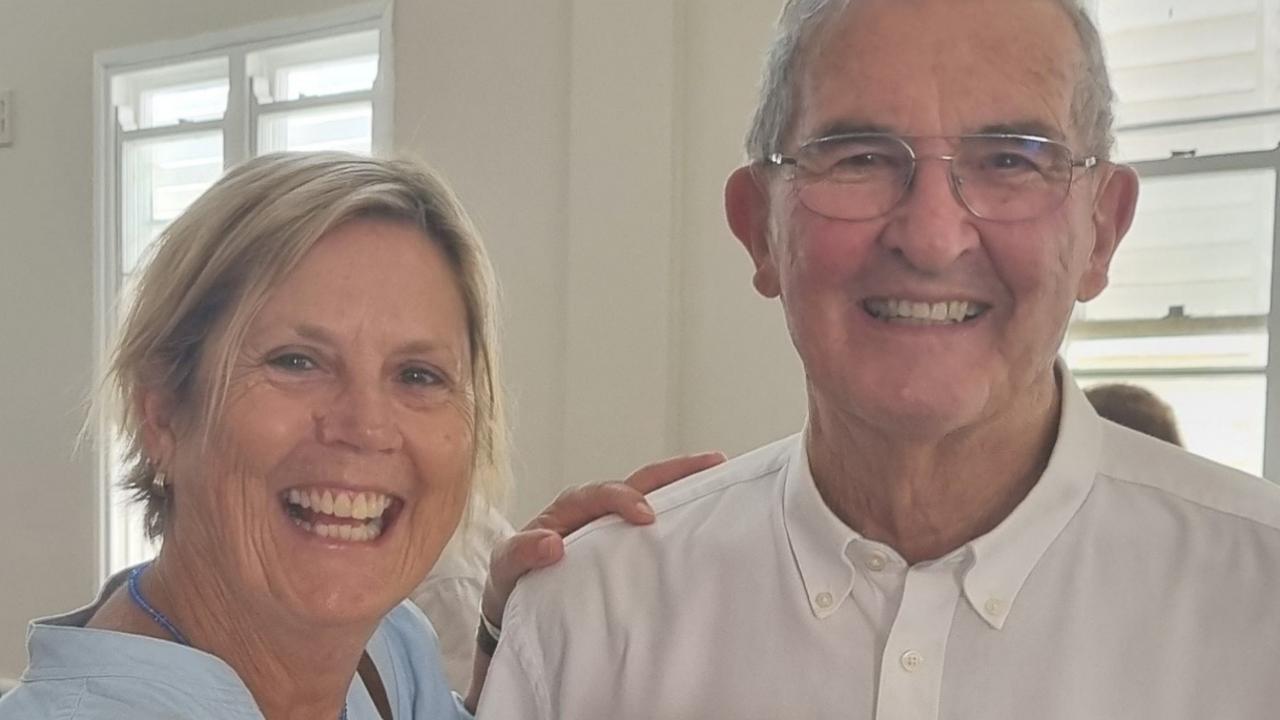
[(1112, 216), (746, 205), (156, 411)]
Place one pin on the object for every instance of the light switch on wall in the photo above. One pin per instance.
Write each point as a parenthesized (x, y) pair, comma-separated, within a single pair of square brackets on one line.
[(6, 118)]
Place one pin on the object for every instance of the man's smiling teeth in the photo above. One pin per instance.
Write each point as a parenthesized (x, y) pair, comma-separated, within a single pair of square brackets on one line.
[(954, 311), (310, 508)]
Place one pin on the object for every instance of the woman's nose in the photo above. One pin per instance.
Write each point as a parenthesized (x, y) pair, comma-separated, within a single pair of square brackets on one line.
[(361, 417)]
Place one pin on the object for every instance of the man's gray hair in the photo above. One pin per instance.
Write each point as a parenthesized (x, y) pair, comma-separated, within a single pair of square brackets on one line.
[(1091, 108)]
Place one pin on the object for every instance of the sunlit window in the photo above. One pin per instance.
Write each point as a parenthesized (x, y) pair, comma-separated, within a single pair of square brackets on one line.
[(1188, 310)]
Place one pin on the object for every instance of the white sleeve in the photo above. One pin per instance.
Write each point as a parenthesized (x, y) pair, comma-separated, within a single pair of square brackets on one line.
[(515, 688)]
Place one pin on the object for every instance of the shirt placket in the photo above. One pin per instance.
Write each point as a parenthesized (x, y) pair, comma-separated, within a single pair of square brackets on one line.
[(912, 664)]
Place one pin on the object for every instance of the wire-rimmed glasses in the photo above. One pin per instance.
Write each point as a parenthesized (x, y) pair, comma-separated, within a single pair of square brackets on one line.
[(1001, 177)]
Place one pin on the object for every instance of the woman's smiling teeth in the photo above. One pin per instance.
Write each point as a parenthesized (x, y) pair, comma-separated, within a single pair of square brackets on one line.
[(338, 514), (923, 313)]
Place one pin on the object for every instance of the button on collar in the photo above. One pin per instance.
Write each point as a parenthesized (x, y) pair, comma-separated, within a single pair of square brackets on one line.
[(994, 607)]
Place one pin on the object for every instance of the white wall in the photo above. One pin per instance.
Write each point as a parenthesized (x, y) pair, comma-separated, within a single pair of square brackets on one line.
[(589, 139), (741, 382), (491, 112)]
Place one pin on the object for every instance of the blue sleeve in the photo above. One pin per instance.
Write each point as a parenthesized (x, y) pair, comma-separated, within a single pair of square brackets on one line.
[(407, 654)]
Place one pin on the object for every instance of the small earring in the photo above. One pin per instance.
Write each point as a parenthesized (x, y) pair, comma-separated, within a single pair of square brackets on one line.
[(158, 482)]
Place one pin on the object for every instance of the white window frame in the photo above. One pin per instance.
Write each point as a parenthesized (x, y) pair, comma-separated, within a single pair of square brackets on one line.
[(238, 126), (1187, 164)]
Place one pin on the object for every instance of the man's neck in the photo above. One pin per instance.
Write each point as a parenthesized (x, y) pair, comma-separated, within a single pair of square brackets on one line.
[(292, 671), (927, 497)]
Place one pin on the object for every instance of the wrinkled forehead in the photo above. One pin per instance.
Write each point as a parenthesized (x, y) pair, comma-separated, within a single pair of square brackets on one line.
[(940, 67)]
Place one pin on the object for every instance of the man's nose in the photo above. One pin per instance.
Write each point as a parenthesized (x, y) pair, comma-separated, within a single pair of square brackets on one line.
[(931, 228), (360, 417)]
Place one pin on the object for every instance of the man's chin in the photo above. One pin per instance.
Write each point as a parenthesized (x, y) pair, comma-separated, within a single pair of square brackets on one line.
[(909, 411), (918, 425)]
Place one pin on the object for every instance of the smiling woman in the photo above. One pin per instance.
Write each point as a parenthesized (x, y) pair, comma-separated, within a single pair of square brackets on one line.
[(307, 382), (216, 300), (308, 387), (351, 386)]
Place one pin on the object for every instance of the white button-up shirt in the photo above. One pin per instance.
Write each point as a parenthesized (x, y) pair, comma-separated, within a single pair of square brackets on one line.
[(1134, 581)]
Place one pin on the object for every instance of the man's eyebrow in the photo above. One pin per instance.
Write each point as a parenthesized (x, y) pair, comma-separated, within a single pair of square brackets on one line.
[(1023, 127), (850, 127), (1020, 127)]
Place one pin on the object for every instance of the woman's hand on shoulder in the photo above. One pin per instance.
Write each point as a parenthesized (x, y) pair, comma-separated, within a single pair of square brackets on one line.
[(541, 542)]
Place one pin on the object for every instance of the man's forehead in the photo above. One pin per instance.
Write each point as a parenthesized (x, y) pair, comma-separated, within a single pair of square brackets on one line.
[(940, 67)]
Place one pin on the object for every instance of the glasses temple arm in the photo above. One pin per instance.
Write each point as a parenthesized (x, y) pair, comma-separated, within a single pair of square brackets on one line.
[(778, 158)]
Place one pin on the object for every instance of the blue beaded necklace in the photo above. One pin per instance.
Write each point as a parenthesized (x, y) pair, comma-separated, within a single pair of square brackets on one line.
[(135, 592)]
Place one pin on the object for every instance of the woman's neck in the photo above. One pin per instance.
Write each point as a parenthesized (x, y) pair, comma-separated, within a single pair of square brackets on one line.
[(293, 669)]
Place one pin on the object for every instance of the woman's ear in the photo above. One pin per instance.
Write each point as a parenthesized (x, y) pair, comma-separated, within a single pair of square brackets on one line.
[(746, 206), (156, 410)]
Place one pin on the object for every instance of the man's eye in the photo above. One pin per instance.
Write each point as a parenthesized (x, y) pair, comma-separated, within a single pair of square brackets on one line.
[(419, 376), (863, 161), (1009, 161), (295, 362)]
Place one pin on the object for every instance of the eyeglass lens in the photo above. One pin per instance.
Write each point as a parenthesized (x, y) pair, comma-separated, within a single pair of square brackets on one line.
[(997, 177)]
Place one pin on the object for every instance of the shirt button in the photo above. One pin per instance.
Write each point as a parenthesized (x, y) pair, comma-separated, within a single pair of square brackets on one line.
[(876, 561), (911, 660), (824, 600), (994, 607)]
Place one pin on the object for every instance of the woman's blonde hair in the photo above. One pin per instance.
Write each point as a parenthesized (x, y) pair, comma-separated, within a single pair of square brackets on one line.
[(218, 261)]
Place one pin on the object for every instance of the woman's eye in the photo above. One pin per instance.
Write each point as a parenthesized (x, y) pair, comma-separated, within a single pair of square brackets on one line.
[(295, 362), (419, 376)]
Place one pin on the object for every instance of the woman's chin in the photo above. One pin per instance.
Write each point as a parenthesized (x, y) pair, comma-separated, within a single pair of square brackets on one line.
[(333, 600), (339, 579)]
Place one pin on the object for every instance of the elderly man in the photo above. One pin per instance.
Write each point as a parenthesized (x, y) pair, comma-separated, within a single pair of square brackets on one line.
[(955, 533)]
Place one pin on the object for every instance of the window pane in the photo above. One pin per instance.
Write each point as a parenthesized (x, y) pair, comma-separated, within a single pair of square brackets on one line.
[(160, 177), (1199, 139), (129, 544), (1220, 417), (341, 64), (160, 97), (1202, 242), (1190, 58), (328, 78), (1247, 351), (339, 127)]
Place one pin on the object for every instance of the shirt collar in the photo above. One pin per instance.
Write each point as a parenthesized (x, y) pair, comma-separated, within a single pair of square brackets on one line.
[(999, 561), (818, 538), (61, 647), (1004, 558)]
